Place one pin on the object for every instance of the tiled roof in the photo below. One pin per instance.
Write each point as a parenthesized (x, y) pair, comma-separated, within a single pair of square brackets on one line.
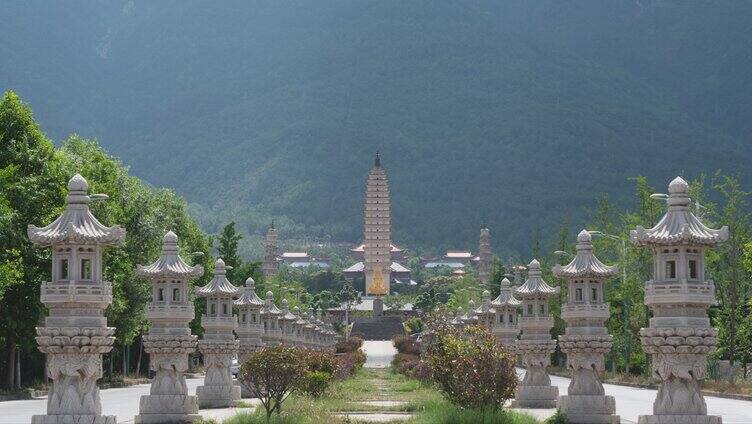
[(248, 296), (585, 263), (219, 285), (169, 264), (535, 284)]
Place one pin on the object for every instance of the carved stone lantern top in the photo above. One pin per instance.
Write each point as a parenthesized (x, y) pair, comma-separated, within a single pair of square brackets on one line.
[(76, 225), (219, 286), (269, 306), (248, 296), (169, 264), (506, 297), (534, 285), (585, 263), (679, 225)]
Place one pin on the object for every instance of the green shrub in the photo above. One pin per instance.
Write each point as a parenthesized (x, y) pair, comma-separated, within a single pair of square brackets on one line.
[(350, 345), (557, 418), (414, 325), (471, 368), (320, 361), (272, 373), (315, 383)]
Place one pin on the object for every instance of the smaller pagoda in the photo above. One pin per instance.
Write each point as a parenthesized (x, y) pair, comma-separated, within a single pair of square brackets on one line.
[(586, 340), (218, 346), (169, 342), (299, 328), (680, 336), (535, 345), (270, 318), (505, 306), (250, 329), (485, 258), (75, 333)]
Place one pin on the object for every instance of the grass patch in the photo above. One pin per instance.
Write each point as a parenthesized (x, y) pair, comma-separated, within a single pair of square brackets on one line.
[(439, 411)]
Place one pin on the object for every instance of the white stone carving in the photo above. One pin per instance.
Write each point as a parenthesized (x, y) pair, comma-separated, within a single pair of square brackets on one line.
[(75, 334), (679, 337), (586, 341), (535, 345)]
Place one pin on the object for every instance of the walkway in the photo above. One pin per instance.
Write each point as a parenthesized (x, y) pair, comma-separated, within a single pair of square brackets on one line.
[(123, 403), (379, 353)]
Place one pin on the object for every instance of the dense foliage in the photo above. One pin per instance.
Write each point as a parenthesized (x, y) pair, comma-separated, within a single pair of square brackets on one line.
[(272, 373)]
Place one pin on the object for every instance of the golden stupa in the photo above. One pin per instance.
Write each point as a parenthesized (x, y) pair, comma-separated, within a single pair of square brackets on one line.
[(377, 285)]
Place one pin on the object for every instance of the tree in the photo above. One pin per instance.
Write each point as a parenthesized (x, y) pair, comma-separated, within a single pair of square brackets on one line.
[(348, 297), (228, 250), (271, 374)]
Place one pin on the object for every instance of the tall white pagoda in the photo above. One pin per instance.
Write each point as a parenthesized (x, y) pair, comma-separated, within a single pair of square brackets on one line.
[(535, 345), (75, 333), (377, 231), (484, 256), (679, 337), (169, 342), (586, 340), (505, 306), (218, 345)]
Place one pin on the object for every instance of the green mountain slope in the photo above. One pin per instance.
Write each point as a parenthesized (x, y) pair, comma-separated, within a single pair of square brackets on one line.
[(518, 114)]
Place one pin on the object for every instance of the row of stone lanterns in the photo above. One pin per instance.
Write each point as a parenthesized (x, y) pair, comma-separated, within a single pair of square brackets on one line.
[(679, 336), (75, 334)]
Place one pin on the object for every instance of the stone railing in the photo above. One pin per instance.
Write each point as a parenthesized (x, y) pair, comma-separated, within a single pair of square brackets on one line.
[(671, 293), (585, 310), (85, 292)]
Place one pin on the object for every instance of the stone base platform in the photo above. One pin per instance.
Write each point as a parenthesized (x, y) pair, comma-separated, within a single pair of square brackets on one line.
[(167, 409), (589, 409), (679, 419), (218, 396), (535, 397), (73, 419)]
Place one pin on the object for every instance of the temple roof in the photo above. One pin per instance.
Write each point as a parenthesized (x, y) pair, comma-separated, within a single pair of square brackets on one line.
[(360, 267), (169, 264), (534, 285), (506, 297), (393, 247), (76, 225), (219, 285), (679, 225), (585, 263), (457, 254), (248, 296)]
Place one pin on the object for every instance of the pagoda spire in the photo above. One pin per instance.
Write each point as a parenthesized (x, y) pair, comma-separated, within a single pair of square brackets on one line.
[(377, 161)]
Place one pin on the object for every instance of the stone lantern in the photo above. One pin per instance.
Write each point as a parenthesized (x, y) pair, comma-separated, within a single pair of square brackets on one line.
[(75, 333), (679, 337), (458, 320), (287, 324), (505, 306), (486, 313), (169, 342), (308, 330), (270, 317), (535, 345), (250, 329), (586, 340), (218, 346)]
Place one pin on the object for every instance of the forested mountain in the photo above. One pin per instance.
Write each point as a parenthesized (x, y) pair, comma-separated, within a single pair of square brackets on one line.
[(515, 113)]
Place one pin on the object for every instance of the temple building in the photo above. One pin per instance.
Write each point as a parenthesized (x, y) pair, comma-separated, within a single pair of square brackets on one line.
[(455, 259), (303, 260), (169, 342), (586, 340), (75, 333), (377, 231), (679, 337), (535, 345), (397, 253), (270, 252), (484, 256)]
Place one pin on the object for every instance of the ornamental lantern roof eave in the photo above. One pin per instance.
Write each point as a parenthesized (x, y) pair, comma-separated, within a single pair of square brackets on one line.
[(679, 226), (169, 264), (219, 286), (584, 263), (535, 285), (76, 225)]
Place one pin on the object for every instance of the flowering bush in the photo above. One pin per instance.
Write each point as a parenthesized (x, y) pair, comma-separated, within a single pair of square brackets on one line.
[(315, 383), (350, 345), (271, 374), (406, 345), (471, 368)]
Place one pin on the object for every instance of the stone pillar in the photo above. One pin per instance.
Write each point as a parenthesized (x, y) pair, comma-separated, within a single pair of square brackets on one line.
[(586, 340), (679, 337), (218, 345), (75, 334), (378, 306), (169, 342), (535, 344), (270, 252)]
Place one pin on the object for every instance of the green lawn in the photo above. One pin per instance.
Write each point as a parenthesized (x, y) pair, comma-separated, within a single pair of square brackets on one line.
[(423, 400)]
